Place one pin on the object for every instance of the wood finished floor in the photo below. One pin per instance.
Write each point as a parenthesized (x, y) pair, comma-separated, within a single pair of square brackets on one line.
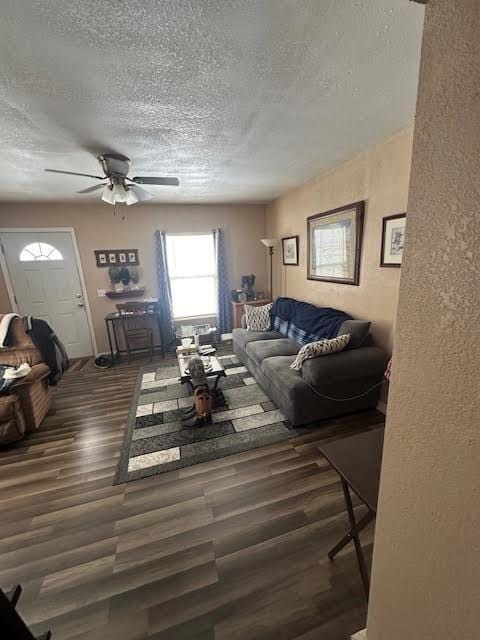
[(230, 549)]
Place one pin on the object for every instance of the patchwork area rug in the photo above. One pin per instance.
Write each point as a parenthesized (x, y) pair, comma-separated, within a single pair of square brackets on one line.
[(155, 440)]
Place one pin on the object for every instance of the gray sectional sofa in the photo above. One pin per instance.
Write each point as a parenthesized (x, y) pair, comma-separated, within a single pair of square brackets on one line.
[(327, 386)]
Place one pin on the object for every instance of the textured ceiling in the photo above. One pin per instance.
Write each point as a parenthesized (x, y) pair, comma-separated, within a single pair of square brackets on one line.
[(241, 99)]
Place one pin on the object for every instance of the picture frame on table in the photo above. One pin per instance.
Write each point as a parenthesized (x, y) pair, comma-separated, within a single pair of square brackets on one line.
[(393, 239), (290, 250), (335, 244)]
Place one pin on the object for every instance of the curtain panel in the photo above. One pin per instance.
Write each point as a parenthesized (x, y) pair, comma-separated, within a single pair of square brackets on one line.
[(223, 285), (167, 326)]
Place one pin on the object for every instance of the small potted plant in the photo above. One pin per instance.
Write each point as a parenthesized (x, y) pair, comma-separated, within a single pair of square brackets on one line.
[(115, 278)]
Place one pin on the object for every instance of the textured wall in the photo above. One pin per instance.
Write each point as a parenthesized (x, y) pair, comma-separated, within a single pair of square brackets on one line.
[(426, 571), (97, 228), (379, 175)]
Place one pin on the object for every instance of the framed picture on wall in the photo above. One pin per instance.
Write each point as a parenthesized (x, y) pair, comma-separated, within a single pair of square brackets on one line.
[(101, 257), (335, 244), (132, 256), (393, 237), (290, 250)]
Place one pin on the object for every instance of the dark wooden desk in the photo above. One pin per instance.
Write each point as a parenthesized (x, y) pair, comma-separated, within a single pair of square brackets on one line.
[(358, 460), (112, 321)]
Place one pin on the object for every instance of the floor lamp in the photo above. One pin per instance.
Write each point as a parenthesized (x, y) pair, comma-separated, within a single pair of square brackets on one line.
[(270, 243)]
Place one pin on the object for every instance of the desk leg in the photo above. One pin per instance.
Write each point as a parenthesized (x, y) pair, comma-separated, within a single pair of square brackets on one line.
[(356, 540), (112, 355)]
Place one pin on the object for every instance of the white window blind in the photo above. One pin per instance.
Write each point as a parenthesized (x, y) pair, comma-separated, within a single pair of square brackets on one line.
[(193, 277)]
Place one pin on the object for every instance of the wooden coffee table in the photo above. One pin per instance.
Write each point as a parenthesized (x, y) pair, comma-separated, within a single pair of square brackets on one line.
[(358, 460)]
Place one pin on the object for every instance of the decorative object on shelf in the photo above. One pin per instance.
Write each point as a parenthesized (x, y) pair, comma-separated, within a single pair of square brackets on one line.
[(290, 250), (393, 237), (109, 257), (114, 273), (270, 243), (335, 244), (125, 276), (248, 284), (236, 293), (121, 279)]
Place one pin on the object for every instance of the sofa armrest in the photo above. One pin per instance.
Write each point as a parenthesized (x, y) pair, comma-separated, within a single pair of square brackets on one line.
[(38, 372), (364, 362)]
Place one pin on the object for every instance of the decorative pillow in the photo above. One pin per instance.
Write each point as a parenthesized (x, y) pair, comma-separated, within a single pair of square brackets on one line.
[(320, 348), (258, 318)]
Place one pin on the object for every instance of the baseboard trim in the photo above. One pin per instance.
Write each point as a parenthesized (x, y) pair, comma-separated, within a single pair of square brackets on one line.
[(382, 407)]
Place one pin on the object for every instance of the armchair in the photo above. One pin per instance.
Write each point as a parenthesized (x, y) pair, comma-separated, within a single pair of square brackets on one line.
[(28, 400)]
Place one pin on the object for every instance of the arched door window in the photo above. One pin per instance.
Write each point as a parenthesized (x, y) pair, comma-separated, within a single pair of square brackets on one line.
[(39, 251)]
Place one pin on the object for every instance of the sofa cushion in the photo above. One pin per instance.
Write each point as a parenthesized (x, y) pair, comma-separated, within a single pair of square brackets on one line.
[(258, 351), (365, 362), (358, 330), (242, 337), (277, 370)]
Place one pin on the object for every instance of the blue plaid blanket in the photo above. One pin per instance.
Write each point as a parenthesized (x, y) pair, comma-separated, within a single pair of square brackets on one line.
[(303, 322)]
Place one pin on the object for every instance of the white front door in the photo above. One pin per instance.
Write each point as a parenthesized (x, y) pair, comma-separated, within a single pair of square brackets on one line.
[(44, 275)]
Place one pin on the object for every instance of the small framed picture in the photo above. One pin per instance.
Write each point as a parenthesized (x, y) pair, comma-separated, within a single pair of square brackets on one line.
[(393, 238), (132, 255), (290, 250), (112, 258), (122, 257), (102, 258)]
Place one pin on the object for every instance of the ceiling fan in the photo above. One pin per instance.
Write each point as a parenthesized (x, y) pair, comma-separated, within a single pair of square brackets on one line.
[(119, 187)]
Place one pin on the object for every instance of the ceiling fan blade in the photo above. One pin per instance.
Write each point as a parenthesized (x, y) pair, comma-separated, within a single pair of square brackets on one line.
[(73, 173), (94, 188), (168, 182)]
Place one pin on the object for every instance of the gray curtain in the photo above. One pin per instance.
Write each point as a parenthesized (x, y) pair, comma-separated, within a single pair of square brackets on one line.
[(167, 326), (224, 300)]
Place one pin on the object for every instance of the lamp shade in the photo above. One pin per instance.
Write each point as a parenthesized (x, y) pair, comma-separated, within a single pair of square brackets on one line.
[(107, 194), (137, 194), (119, 193), (269, 242)]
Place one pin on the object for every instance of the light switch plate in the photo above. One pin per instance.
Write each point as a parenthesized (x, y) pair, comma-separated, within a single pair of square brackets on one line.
[(101, 293)]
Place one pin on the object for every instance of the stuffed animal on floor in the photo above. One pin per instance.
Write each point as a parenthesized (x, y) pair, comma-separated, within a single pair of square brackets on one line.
[(201, 411)]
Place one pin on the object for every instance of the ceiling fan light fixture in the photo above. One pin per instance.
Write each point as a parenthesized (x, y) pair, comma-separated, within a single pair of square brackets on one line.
[(119, 193), (136, 194), (107, 194)]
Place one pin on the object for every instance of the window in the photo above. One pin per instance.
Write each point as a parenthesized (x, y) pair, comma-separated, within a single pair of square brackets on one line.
[(39, 251), (193, 277)]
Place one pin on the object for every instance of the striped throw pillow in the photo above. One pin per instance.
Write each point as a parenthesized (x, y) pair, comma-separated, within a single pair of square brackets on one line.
[(258, 318), (320, 348)]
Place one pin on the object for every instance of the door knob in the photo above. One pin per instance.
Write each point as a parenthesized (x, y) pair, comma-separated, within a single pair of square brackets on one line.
[(80, 304), (78, 295)]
